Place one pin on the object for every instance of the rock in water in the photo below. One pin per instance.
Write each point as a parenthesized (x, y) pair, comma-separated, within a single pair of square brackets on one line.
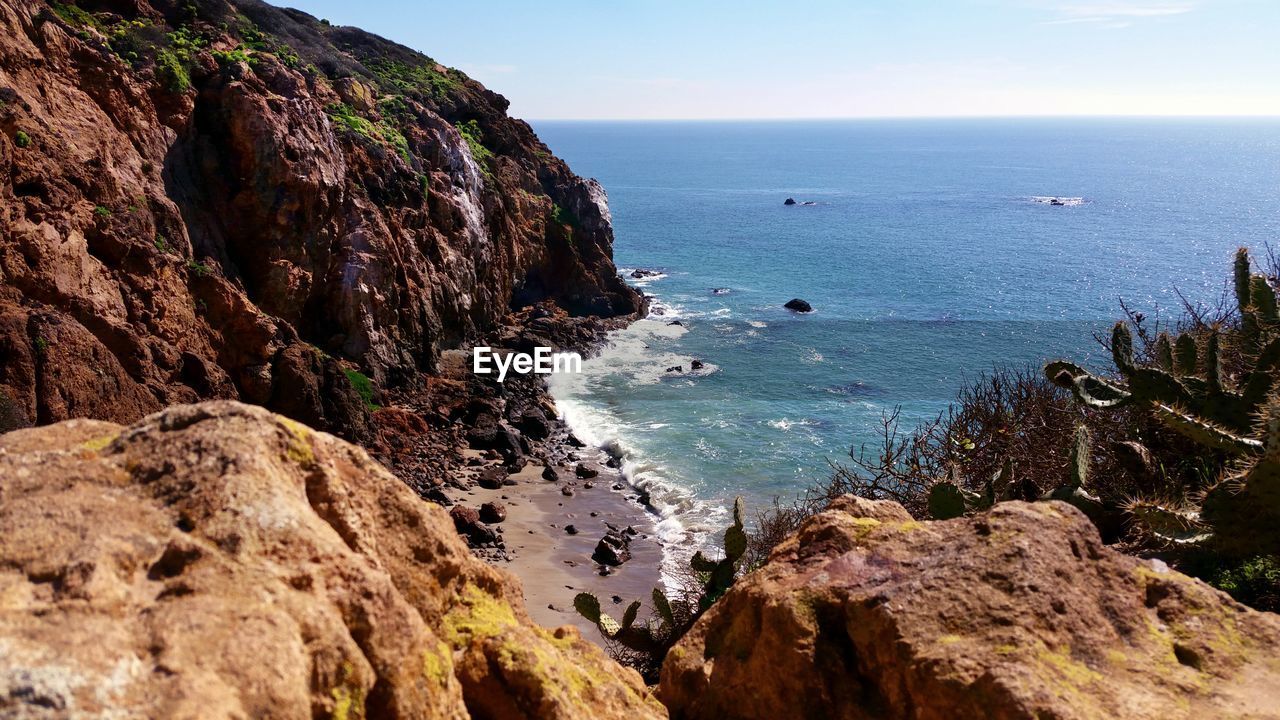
[(1018, 613), (798, 305), (789, 201), (217, 561)]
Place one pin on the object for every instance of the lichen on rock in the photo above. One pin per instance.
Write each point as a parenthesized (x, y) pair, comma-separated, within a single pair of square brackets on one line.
[(1016, 613), (217, 560)]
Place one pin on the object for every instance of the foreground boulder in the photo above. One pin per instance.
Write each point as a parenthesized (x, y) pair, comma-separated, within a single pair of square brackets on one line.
[(218, 561), (1018, 613)]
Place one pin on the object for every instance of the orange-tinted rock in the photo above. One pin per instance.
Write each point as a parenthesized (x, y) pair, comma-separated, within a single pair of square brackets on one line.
[(1017, 613), (217, 561)]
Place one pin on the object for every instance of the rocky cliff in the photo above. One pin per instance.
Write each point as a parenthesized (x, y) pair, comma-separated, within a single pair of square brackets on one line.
[(218, 561), (224, 199)]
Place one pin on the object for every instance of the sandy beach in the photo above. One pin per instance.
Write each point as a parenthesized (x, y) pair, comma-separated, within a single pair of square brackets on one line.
[(554, 564)]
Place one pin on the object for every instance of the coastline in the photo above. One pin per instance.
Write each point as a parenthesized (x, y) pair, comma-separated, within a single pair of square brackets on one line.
[(489, 442), (554, 565)]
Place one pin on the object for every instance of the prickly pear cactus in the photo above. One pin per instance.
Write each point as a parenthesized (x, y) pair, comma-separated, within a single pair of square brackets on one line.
[(1243, 509), (1186, 389), (655, 636), (946, 501)]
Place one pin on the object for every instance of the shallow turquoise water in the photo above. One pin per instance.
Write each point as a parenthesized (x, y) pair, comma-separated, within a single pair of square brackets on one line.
[(926, 258)]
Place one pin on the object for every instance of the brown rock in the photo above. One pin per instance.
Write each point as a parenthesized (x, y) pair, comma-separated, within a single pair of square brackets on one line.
[(613, 549), (493, 512), (228, 238), (218, 561), (1018, 613), (492, 478)]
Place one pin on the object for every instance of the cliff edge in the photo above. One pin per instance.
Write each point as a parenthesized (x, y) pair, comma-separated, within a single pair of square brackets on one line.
[(228, 200)]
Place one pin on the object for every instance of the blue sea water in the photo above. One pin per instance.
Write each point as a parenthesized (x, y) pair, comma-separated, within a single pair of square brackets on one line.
[(927, 259)]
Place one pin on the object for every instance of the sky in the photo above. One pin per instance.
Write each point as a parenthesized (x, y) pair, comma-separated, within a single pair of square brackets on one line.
[(749, 59)]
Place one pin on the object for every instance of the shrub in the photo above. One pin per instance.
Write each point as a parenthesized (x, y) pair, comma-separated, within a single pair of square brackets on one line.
[(198, 268), (171, 69), (21, 139), (226, 58), (1254, 582), (418, 79), (363, 386), (287, 57), (102, 212), (346, 118), (474, 137), (74, 15)]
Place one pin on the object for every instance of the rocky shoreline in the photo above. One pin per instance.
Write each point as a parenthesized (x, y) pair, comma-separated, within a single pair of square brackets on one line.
[(523, 491)]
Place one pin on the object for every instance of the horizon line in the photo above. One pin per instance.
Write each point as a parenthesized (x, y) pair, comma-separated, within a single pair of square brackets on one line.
[(822, 118)]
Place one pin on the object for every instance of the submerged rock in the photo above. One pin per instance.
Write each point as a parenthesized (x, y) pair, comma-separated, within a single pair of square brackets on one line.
[(1018, 613), (218, 561)]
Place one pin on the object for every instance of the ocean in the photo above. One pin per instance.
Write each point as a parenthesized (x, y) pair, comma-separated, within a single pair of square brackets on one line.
[(930, 254)]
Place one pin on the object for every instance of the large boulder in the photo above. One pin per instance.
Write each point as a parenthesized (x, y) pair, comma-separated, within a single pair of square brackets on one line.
[(1018, 613), (219, 561)]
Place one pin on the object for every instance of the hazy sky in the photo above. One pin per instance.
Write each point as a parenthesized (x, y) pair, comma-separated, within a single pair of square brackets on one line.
[(843, 58)]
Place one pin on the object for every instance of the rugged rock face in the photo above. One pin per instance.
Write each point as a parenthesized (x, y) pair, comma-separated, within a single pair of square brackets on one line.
[(223, 199), (218, 561), (1018, 613)]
